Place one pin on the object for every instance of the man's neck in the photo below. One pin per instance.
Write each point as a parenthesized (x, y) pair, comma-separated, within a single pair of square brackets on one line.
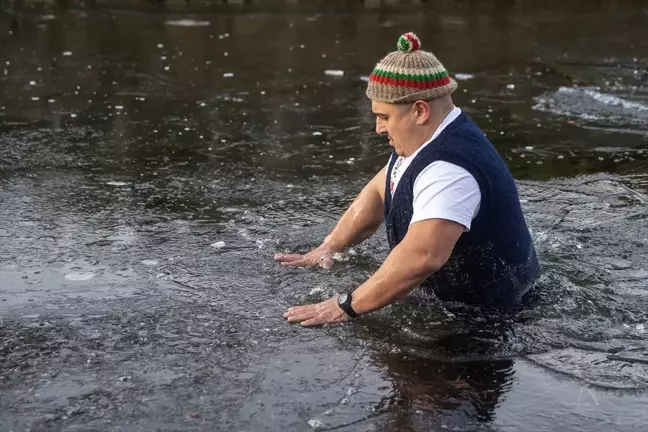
[(436, 119)]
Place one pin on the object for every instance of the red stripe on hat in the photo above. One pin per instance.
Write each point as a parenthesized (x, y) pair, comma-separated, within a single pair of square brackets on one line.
[(410, 83)]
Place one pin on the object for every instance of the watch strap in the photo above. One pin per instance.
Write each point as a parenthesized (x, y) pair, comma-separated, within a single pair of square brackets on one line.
[(346, 305)]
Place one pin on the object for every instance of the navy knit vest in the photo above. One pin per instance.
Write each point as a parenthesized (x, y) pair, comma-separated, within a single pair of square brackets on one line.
[(495, 262)]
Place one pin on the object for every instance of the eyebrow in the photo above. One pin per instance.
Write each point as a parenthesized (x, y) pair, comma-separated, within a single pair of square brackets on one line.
[(380, 114)]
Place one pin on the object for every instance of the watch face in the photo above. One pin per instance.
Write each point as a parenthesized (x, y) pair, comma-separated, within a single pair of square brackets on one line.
[(343, 298)]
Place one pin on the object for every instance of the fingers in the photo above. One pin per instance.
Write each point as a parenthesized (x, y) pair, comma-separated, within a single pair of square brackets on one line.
[(288, 257), (299, 310)]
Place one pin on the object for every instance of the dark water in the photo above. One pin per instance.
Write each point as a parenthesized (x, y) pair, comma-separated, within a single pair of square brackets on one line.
[(151, 167)]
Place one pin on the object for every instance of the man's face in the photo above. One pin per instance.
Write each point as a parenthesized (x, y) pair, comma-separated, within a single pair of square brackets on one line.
[(398, 123)]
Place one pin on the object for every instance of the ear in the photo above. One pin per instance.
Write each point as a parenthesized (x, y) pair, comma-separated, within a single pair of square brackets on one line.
[(422, 111)]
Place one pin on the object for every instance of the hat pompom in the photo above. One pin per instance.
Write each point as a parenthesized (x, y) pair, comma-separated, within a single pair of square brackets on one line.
[(408, 42)]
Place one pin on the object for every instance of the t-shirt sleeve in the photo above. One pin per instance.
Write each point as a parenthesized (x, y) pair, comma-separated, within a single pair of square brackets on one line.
[(446, 191)]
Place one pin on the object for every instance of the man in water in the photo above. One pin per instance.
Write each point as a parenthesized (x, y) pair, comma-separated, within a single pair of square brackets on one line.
[(449, 202)]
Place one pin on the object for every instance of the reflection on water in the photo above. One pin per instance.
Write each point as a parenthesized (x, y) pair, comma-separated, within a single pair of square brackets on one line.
[(152, 164)]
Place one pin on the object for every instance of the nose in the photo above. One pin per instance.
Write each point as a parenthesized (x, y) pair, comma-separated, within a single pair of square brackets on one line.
[(380, 126)]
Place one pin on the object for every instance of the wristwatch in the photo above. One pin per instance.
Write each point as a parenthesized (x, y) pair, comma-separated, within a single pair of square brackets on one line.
[(344, 301)]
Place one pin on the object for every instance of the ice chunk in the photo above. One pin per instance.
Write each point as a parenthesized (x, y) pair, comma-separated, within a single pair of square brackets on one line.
[(464, 76), (187, 23), (334, 72), (79, 276)]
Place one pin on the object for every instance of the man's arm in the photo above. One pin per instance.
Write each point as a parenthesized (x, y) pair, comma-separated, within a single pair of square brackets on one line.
[(424, 250), (363, 218), (359, 222)]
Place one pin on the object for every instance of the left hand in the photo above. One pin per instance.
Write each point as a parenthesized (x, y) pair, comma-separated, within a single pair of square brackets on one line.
[(326, 312)]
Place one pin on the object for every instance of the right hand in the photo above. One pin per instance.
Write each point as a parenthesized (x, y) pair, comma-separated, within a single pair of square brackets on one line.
[(322, 257)]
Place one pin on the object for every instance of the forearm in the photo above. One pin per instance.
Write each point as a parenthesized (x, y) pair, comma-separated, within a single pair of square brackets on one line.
[(403, 270), (359, 222)]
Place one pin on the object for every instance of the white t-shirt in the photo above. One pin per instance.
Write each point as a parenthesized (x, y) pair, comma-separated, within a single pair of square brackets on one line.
[(442, 189)]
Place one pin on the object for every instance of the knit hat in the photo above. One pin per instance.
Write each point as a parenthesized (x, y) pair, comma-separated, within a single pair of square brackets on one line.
[(409, 74)]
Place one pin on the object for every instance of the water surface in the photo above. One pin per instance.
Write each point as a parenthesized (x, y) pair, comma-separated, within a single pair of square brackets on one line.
[(151, 164)]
